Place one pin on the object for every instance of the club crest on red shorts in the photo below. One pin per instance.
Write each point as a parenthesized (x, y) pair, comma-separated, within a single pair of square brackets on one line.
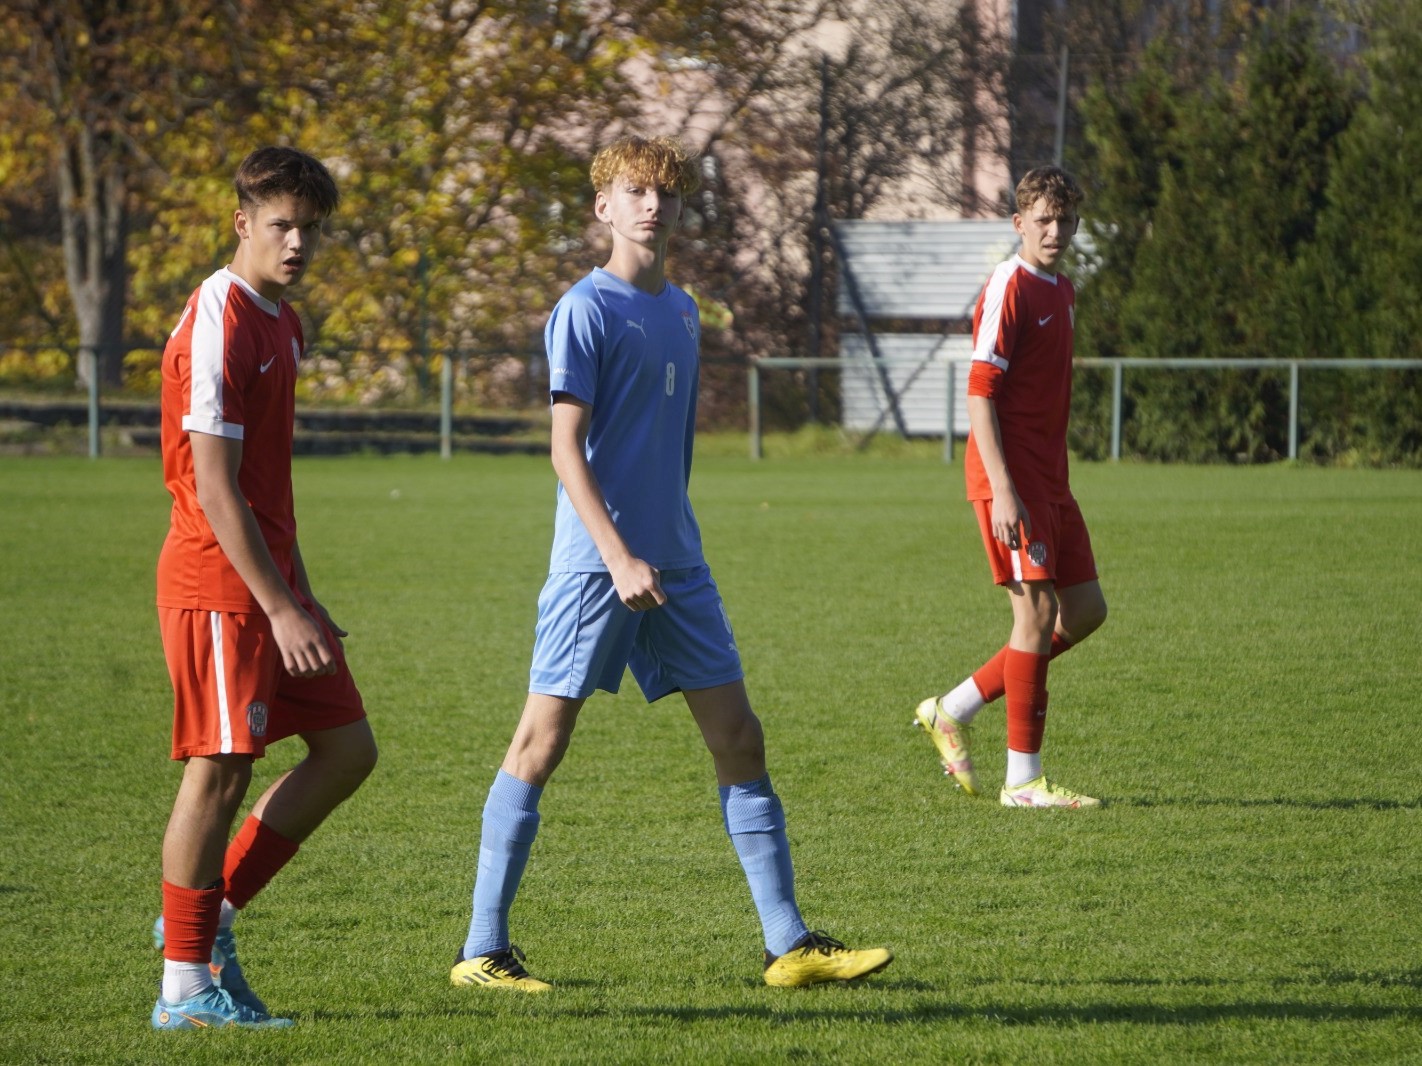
[(257, 719)]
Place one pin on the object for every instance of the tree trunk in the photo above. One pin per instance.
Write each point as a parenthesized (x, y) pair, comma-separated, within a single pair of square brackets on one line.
[(93, 211)]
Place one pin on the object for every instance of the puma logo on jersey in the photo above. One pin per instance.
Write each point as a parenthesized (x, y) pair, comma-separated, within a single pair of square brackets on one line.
[(1044, 321), (640, 327)]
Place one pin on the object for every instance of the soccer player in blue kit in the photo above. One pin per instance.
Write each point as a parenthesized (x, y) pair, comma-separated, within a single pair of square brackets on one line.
[(627, 583)]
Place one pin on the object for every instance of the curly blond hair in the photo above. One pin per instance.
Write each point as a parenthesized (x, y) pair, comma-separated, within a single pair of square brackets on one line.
[(660, 161)]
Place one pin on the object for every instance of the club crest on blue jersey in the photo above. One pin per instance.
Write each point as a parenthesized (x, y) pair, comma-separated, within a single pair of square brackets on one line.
[(257, 719)]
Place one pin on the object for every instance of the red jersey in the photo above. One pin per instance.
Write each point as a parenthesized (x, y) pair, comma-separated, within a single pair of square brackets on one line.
[(1022, 348), (229, 369)]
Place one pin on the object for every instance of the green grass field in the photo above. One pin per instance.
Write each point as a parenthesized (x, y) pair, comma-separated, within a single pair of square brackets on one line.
[(1250, 713)]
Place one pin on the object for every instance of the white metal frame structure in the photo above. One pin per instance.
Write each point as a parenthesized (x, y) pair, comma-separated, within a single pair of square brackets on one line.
[(951, 423)]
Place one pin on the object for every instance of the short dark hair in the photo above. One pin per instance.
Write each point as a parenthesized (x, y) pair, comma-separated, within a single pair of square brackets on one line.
[(276, 171), (1052, 184)]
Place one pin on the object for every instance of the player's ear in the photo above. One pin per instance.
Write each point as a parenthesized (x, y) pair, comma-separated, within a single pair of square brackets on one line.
[(600, 204), (242, 224)]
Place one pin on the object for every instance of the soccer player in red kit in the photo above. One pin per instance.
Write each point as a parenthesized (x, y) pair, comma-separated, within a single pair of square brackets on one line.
[(252, 654), (1019, 398)]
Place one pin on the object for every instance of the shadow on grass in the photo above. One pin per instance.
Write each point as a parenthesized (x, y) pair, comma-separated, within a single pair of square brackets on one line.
[(1331, 978), (825, 1004), (1346, 804), (1064, 1014)]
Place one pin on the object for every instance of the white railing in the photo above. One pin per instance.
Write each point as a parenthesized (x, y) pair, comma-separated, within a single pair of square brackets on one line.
[(1118, 368)]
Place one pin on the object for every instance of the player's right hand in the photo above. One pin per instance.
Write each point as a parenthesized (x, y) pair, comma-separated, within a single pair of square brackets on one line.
[(1011, 524), (639, 585), (304, 651)]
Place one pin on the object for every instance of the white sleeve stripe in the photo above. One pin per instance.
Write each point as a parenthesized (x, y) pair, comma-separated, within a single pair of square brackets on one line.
[(991, 322), (209, 340), (193, 424)]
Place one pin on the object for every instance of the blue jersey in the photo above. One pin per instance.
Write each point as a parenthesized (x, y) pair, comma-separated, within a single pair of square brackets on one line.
[(634, 358)]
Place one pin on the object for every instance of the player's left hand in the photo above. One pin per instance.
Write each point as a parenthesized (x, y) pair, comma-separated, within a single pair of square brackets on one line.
[(340, 633)]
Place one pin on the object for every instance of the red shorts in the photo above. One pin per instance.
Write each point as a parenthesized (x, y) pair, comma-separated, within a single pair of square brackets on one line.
[(231, 694), (1059, 551)]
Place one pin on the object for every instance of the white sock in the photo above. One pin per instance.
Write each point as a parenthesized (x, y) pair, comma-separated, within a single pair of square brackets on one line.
[(184, 980), (963, 703), (226, 915), (1023, 766)]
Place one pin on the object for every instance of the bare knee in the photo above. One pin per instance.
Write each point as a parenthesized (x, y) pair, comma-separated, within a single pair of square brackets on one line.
[(1035, 610), (737, 747), (545, 729), (360, 758), (1083, 612), (346, 756), (216, 782), (740, 741)]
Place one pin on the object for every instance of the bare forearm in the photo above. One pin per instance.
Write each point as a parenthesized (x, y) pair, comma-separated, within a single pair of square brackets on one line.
[(216, 463), (237, 532), (1009, 515), (638, 583), (987, 432), (585, 494), (303, 583)]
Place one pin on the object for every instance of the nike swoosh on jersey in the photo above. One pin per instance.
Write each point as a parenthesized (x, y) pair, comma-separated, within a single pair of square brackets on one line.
[(268, 364), (1044, 321)]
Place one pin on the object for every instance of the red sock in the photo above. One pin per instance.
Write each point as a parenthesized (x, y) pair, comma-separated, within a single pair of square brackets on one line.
[(1025, 677), (190, 922), (988, 677), (255, 855)]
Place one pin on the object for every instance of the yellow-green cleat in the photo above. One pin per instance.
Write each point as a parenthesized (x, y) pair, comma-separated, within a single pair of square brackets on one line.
[(1040, 793), (817, 958), (498, 969), (953, 739)]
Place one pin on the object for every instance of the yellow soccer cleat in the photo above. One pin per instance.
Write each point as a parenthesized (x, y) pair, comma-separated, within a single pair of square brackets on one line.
[(498, 969), (817, 958), (1039, 793), (953, 739)]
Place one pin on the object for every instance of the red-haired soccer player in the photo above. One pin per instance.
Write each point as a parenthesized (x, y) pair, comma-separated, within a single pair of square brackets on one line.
[(1019, 398), (252, 654)]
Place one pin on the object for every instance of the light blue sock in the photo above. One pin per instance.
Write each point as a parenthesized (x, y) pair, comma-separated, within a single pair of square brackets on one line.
[(510, 824), (756, 823)]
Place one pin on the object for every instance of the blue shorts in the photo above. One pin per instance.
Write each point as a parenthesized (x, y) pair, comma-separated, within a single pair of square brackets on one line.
[(586, 637)]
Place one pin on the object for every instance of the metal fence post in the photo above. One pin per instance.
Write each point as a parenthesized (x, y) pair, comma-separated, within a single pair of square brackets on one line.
[(1116, 411), (446, 405), (95, 370), (949, 428), (754, 400), (1293, 408)]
